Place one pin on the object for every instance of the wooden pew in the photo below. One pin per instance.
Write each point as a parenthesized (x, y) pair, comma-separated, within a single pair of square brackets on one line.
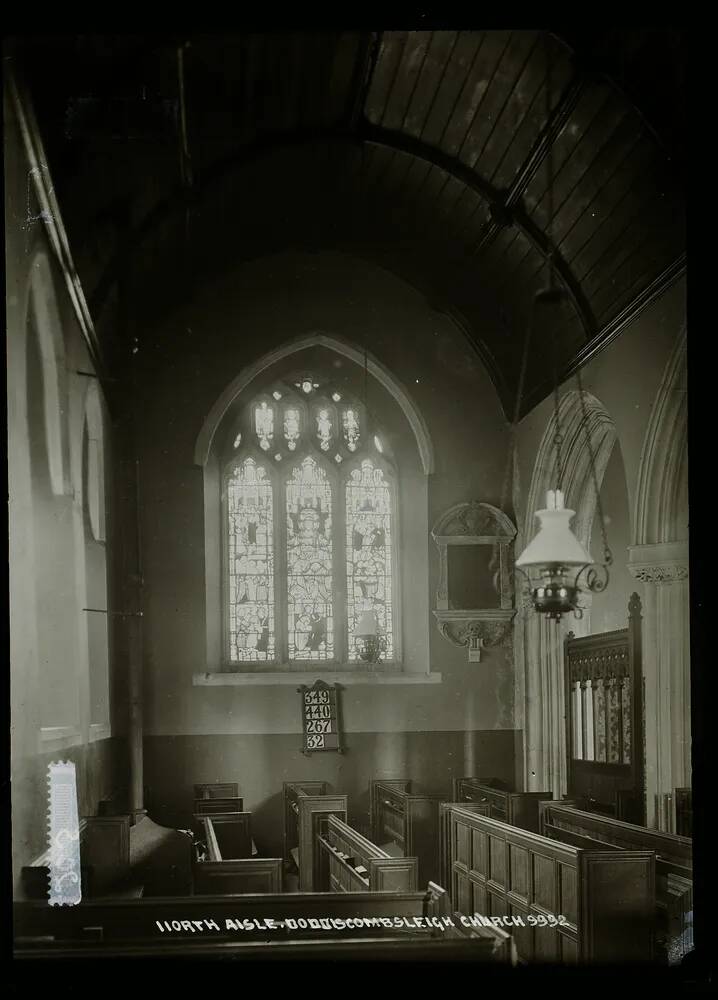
[(514, 808), (247, 875), (406, 824), (325, 925), (348, 862), (226, 873), (674, 866), (228, 835), (217, 790), (214, 805), (570, 904), (305, 803)]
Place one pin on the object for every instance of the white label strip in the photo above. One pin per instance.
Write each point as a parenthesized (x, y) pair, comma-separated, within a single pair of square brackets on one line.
[(64, 835)]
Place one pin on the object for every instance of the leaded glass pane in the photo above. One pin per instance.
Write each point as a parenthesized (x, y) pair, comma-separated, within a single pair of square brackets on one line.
[(264, 424), (310, 616), (324, 428), (350, 427), (368, 550), (292, 428), (250, 563)]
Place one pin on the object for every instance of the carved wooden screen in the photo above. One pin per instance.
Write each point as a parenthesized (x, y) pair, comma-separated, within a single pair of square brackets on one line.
[(604, 720)]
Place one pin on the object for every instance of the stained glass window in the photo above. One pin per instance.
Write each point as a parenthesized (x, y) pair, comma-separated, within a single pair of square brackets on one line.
[(250, 559), (368, 552), (310, 608), (307, 485)]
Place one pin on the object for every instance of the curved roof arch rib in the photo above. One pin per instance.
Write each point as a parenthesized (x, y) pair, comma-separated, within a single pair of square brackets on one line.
[(426, 151)]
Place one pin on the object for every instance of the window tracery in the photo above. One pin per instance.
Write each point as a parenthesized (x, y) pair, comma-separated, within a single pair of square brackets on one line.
[(310, 520)]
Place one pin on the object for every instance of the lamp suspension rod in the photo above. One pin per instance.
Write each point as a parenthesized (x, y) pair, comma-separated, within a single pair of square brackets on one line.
[(558, 437)]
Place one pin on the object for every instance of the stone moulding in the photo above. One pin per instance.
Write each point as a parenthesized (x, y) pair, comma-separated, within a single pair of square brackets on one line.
[(476, 629), (661, 563), (476, 523)]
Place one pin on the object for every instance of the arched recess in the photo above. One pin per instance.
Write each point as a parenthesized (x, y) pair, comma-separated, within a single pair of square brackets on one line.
[(663, 469), (44, 315), (659, 561), (578, 484), (414, 459), (538, 642), (375, 368)]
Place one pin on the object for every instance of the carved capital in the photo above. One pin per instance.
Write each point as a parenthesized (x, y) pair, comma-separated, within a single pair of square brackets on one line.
[(658, 564), (660, 573)]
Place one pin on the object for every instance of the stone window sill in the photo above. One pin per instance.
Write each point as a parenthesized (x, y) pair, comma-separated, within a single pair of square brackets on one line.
[(298, 677), (54, 738)]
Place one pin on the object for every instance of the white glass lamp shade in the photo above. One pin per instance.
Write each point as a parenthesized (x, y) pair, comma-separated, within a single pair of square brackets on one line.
[(367, 625), (555, 544)]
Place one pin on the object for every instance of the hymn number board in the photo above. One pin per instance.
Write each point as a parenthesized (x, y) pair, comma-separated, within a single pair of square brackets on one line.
[(320, 717)]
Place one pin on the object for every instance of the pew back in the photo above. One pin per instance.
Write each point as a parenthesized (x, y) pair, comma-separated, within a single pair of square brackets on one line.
[(515, 808), (407, 821), (228, 837), (674, 865), (568, 904), (380, 925), (217, 790), (305, 804), (249, 875), (216, 804)]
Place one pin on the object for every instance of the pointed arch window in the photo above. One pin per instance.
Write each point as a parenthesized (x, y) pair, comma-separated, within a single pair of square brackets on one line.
[(309, 508)]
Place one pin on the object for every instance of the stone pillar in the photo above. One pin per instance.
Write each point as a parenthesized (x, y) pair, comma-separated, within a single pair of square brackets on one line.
[(663, 569), (539, 654)]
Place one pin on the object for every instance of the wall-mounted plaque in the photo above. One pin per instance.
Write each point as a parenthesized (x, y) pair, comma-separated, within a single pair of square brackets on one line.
[(320, 717), (474, 599)]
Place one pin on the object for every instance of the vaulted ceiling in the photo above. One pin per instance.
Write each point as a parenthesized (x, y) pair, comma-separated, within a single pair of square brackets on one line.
[(427, 152)]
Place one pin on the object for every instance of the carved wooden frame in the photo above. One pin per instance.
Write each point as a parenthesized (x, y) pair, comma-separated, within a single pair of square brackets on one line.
[(475, 523)]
